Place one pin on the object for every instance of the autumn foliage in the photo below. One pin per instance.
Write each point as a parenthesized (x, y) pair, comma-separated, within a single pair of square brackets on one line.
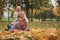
[(33, 34)]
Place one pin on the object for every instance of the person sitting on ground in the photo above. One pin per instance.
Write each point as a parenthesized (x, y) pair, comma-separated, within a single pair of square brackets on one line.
[(18, 9), (20, 23)]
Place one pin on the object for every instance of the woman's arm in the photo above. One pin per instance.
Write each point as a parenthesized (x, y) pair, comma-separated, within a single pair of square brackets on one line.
[(26, 20), (14, 24), (15, 15)]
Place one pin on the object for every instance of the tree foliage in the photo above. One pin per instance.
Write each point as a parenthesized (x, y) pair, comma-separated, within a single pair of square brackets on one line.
[(2, 5)]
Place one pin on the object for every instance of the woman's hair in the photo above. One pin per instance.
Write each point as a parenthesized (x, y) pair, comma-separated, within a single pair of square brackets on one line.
[(24, 15)]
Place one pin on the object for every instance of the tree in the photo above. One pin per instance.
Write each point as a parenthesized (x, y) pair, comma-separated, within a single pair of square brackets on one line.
[(39, 5), (57, 10), (2, 5), (32, 4)]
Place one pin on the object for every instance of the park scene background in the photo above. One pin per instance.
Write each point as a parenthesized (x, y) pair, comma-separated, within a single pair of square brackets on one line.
[(42, 15)]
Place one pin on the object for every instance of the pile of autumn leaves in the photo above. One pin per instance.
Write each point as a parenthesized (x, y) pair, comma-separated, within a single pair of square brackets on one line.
[(33, 34)]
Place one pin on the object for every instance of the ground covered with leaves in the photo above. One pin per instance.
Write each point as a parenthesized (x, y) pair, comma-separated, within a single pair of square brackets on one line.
[(44, 30), (33, 34)]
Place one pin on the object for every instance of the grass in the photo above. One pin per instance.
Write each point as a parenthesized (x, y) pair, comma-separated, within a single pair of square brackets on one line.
[(33, 24), (37, 24), (6, 19), (44, 24)]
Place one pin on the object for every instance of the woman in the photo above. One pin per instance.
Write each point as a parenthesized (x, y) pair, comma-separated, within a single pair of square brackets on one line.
[(21, 22)]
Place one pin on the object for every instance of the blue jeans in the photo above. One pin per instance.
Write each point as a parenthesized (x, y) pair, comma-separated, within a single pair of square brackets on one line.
[(9, 26)]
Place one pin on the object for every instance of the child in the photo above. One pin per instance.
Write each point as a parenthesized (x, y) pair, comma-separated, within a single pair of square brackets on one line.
[(20, 23), (18, 9)]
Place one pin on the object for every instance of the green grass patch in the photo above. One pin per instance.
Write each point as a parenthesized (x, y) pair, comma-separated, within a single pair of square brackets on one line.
[(6, 19), (33, 24)]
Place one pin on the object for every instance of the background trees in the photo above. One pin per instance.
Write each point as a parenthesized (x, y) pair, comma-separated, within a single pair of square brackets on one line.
[(2, 5), (38, 8)]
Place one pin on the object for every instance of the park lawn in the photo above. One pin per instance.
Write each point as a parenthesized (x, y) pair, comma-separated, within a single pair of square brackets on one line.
[(37, 24), (45, 24), (32, 24), (6, 19)]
